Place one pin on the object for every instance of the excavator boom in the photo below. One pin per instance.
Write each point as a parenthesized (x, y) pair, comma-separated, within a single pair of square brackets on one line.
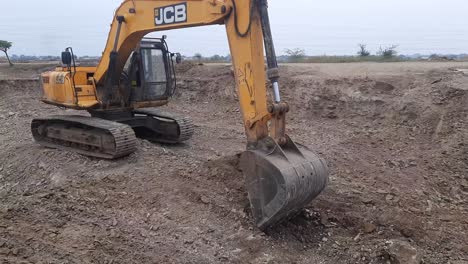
[(281, 177)]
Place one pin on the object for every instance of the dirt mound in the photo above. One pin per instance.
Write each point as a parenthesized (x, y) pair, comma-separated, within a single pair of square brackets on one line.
[(199, 83)]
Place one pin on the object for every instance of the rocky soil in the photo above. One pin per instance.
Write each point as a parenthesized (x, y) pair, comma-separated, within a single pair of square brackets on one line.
[(395, 136)]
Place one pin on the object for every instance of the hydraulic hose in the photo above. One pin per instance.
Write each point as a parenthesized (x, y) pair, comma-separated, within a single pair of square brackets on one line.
[(273, 71), (236, 18)]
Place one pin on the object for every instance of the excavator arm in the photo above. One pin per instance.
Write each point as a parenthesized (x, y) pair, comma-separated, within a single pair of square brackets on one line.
[(281, 177)]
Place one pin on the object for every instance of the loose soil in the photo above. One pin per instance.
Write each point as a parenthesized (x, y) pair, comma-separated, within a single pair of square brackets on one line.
[(395, 136)]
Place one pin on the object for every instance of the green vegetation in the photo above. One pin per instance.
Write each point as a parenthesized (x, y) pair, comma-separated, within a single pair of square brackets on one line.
[(344, 59), (388, 52), (295, 55), (5, 46), (363, 52), (198, 57)]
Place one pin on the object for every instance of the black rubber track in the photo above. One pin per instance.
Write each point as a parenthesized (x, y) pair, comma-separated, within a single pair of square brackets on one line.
[(124, 138)]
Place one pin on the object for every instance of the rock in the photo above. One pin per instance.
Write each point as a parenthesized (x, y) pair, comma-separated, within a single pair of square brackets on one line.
[(15, 252), (464, 186), (188, 241), (204, 199), (402, 252), (42, 165), (356, 238), (382, 191), (429, 206), (367, 201), (324, 220), (465, 249), (407, 232), (331, 115), (3, 242), (369, 228), (250, 237), (384, 87), (45, 195), (391, 199), (446, 218), (414, 210), (113, 233), (236, 251), (11, 114)]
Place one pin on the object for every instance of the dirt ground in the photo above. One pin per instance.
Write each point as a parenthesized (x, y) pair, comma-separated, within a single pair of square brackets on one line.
[(395, 136)]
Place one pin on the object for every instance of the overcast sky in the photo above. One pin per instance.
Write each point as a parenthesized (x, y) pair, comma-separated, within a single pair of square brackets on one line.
[(332, 27)]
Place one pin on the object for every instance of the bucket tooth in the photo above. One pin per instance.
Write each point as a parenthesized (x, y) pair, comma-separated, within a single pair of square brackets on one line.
[(281, 180)]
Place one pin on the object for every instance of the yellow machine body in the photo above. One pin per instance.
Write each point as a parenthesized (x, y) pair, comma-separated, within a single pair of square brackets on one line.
[(75, 90)]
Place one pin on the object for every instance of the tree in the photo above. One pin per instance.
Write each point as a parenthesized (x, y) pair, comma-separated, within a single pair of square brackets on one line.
[(295, 54), (5, 46), (363, 52), (216, 58), (388, 52), (198, 56)]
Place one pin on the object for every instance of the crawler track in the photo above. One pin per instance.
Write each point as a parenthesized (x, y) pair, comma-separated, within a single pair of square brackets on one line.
[(176, 129), (89, 136)]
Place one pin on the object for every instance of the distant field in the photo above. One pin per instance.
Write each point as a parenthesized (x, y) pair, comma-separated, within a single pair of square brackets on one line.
[(32, 70), (25, 70)]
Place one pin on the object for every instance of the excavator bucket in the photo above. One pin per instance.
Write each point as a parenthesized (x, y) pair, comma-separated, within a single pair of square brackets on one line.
[(281, 180)]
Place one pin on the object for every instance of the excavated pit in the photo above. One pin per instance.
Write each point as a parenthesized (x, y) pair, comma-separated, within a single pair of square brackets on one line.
[(395, 136)]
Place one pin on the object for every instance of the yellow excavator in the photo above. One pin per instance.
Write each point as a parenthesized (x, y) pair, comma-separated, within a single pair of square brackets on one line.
[(136, 75)]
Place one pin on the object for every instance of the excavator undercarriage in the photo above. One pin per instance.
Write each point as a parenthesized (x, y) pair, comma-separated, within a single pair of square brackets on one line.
[(86, 135), (99, 137), (136, 75), (153, 124)]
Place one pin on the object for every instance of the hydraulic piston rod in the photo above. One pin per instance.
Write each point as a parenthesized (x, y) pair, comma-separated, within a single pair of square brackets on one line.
[(273, 72)]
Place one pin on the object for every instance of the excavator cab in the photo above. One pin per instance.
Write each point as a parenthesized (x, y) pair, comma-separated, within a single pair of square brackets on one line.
[(149, 73), (148, 81)]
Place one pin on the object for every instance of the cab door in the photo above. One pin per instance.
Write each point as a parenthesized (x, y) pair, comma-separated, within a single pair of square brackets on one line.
[(151, 73)]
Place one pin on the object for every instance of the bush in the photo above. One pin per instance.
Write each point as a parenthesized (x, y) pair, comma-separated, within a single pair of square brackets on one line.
[(198, 56), (363, 52), (295, 55), (388, 52)]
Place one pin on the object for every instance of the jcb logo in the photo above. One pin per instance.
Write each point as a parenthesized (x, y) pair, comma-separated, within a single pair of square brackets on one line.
[(170, 14)]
